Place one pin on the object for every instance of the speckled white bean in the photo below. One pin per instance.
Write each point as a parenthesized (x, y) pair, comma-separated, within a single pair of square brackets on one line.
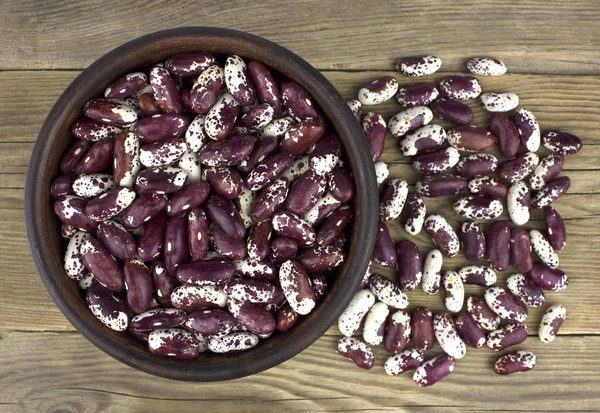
[(543, 249), (351, 319), (447, 336), (381, 172), (551, 321), (454, 291), (313, 214), (378, 91), (393, 199), (407, 360), (276, 128), (374, 328), (73, 264), (409, 144), (419, 66), (189, 163), (486, 66), (237, 341), (296, 169), (528, 128), (499, 102), (195, 137), (432, 272), (518, 202), (92, 185), (478, 275), (388, 292)]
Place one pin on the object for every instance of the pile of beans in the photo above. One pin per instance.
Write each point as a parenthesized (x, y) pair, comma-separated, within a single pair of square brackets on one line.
[(451, 162), (205, 203)]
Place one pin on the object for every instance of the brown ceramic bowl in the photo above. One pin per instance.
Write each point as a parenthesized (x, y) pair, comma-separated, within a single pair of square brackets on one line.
[(47, 245)]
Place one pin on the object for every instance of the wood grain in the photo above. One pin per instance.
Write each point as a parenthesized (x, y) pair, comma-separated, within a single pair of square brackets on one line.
[(536, 36), (71, 375)]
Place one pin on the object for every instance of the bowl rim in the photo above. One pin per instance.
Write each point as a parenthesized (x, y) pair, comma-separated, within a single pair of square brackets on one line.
[(366, 197)]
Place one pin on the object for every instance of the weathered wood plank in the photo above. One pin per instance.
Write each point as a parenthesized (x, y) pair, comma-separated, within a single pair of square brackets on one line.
[(29, 307), (532, 37), (569, 102), (72, 375)]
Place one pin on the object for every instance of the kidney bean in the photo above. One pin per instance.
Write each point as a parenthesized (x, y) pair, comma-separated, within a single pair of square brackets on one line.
[(367, 277), (107, 308), (162, 153), (195, 136), (249, 268), (543, 249), (340, 183), (436, 161), (276, 128), (213, 271), (333, 226), (70, 210), (117, 240), (442, 234), (422, 329), (188, 197), (291, 226), (413, 214), (175, 246), (561, 142), (282, 249), (398, 332), (548, 168), (350, 320), (356, 108), (266, 87), (325, 154), (93, 131), (477, 207), (357, 351), (477, 164), (440, 185), (300, 137), (160, 127), (126, 86), (381, 173), (126, 164), (469, 331), (102, 265), (297, 101), (319, 285), (222, 212), (296, 287), (519, 167), (378, 91), (470, 138), (110, 112), (516, 362), (189, 64), (268, 170), (488, 186), (255, 119), (407, 360), (375, 323), (92, 185), (221, 117), (551, 192), (148, 105), (387, 292), (460, 87), (498, 245), (410, 265), (110, 203), (499, 102), (67, 231), (165, 90), (421, 140), (164, 282), (472, 240), (528, 128), (418, 94), (269, 200), (392, 199), (158, 318), (225, 245), (206, 89), (73, 262), (322, 209), (478, 275), (506, 134), (507, 336), (505, 305), (63, 185), (191, 297), (548, 278), (409, 120), (256, 318), (452, 111), (244, 203), (138, 285), (525, 290), (252, 290), (238, 82), (73, 156), (320, 258), (555, 228), (482, 313), (286, 318), (97, 159), (143, 209), (551, 321), (173, 342), (258, 240), (229, 152), (296, 169), (432, 272), (263, 148), (447, 337), (520, 250), (433, 370), (454, 291), (237, 341), (151, 241)]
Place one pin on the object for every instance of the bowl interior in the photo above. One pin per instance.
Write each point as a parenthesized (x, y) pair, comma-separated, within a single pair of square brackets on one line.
[(48, 246)]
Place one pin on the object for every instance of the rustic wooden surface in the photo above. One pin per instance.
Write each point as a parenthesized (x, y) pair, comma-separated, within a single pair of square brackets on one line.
[(552, 50)]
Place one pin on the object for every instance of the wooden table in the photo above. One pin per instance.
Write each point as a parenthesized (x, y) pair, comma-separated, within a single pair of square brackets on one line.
[(552, 50)]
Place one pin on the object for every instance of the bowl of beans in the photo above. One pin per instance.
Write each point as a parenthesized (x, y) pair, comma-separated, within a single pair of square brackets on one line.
[(201, 204)]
